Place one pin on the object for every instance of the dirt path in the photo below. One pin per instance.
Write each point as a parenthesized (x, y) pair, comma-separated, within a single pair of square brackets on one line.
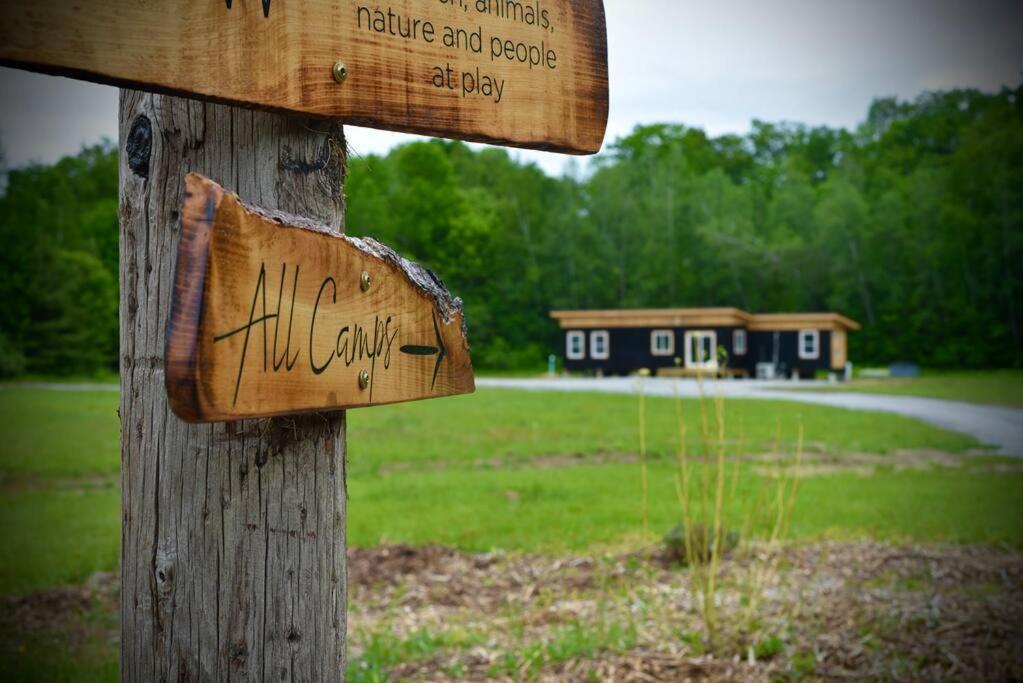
[(996, 426)]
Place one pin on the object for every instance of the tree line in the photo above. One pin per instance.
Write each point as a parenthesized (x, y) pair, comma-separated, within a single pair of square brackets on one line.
[(911, 224)]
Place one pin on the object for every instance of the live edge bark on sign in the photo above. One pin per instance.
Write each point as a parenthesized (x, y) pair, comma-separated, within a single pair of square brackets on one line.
[(275, 314), (526, 73)]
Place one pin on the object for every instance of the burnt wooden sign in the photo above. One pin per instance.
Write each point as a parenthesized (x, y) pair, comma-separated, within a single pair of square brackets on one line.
[(525, 73), (274, 314)]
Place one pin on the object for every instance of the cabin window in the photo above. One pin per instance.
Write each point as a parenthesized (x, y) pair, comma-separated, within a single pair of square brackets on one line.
[(701, 350), (600, 345), (739, 342), (809, 344), (662, 343), (575, 345)]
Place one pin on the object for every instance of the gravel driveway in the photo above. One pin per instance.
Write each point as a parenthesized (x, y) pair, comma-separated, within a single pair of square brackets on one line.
[(996, 426)]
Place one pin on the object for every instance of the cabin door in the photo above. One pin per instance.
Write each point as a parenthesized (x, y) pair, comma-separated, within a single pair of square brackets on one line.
[(838, 350), (701, 350)]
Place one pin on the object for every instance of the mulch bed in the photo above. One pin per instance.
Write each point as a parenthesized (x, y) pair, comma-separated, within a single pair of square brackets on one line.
[(861, 610), (853, 610)]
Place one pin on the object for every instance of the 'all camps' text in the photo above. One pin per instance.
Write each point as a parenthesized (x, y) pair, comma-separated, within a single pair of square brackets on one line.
[(330, 342)]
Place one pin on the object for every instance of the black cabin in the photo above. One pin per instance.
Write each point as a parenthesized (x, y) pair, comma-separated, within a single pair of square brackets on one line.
[(704, 341)]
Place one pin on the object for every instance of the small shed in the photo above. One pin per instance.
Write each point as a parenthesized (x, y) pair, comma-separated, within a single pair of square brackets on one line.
[(704, 341)]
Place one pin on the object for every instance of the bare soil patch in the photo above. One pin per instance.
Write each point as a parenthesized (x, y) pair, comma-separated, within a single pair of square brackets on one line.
[(15, 484), (816, 461), (497, 462), (867, 464), (40, 610), (80, 620)]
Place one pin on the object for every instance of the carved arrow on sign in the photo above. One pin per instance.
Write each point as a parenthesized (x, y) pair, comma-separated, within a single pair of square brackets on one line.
[(274, 314), (440, 351)]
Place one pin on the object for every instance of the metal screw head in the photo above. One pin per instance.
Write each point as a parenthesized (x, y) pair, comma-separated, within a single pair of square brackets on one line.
[(365, 281), (364, 379), (340, 71)]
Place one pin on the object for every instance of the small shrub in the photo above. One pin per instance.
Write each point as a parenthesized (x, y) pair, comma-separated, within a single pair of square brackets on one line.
[(694, 639), (768, 648), (700, 544)]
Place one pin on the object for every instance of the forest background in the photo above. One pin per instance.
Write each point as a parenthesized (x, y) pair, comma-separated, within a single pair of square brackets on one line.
[(911, 224)]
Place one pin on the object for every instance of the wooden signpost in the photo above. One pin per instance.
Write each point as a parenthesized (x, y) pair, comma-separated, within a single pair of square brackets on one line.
[(527, 73), (276, 314), (233, 518)]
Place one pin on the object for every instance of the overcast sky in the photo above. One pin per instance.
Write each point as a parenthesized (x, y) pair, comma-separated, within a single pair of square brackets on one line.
[(715, 65)]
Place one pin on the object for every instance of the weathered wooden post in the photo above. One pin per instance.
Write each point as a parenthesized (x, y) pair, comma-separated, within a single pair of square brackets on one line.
[(233, 534), (233, 529)]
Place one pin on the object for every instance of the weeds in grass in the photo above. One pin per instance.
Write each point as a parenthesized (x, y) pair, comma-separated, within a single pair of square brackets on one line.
[(644, 484), (384, 650), (772, 509), (575, 640), (706, 488)]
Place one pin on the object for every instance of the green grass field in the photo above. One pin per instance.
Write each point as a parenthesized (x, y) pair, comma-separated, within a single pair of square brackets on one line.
[(517, 426), (580, 508), (59, 434), (518, 471), (515, 470), (999, 387)]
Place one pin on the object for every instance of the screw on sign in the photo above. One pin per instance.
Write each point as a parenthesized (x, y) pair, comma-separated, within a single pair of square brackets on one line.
[(340, 71), (233, 517)]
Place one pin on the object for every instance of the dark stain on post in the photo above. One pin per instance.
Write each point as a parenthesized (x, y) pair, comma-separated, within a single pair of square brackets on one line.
[(239, 655), (290, 162), (328, 164), (140, 145)]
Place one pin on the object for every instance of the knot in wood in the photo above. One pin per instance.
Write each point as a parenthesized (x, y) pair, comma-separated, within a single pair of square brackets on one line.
[(163, 568), (139, 146)]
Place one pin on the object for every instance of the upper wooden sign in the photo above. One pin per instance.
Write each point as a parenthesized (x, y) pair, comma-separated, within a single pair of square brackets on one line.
[(273, 314), (525, 73)]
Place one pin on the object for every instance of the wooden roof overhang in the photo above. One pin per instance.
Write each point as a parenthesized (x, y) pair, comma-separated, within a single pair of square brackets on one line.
[(784, 322), (701, 317), (653, 317)]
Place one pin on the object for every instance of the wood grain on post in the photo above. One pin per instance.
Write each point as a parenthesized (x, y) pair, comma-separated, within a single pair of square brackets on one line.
[(233, 534)]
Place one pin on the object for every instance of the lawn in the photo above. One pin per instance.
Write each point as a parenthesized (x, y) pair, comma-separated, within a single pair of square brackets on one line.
[(516, 471), (59, 433), (57, 538), (1000, 387), (76, 434), (586, 507), (503, 427)]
